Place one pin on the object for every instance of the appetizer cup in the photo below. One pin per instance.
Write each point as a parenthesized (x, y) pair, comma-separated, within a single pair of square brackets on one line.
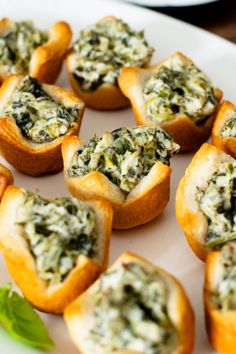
[(174, 94), (127, 167), (95, 59), (34, 120), (37, 53), (132, 307), (205, 200), (6, 178), (224, 128), (220, 299), (54, 249)]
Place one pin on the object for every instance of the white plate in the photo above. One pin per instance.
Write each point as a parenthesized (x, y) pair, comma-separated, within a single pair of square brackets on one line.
[(165, 3), (162, 240)]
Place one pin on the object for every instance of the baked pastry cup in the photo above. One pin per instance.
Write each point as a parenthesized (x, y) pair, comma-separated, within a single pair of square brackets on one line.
[(36, 150), (119, 313), (6, 178), (220, 299), (134, 204), (44, 60), (96, 79), (54, 249), (224, 128), (164, 94), (205, 200)]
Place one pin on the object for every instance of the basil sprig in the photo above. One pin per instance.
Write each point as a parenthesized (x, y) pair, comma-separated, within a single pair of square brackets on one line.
[(21, 320)]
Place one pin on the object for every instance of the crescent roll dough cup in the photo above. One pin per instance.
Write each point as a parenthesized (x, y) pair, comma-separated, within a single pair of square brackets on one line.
[(107, 96), (145, 202), (220, 325), (79, 315), (21, 264), (189, 215), (24, 155), (226, 143), (6, 178), (183, 129), (47, 59)]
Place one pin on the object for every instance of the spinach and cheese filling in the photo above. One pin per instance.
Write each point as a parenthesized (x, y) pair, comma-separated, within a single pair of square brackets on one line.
[(224, 297), (124, 155), (40, 118), (104, 48), (218, 202), (57, 232), (17, 44), (179, 87), (229, 128), (130, 312)]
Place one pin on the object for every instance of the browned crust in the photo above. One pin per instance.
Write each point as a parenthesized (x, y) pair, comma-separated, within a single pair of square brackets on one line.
[(181, 310), (6, 178), (21, 264), (220, 326), (144, 205), (227, 144), (105, 97), (47, 59), (190, 219), (34, 159), (184, 131)]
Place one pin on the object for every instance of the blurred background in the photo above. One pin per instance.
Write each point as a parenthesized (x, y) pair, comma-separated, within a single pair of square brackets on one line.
[(218, 16)]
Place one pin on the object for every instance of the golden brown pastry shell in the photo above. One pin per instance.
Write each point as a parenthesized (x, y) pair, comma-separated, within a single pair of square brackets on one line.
[(78, 315), (47, 59), (21, 264), (228, 144), (220, 326), (184, 131), (28, 157), (145, 202)]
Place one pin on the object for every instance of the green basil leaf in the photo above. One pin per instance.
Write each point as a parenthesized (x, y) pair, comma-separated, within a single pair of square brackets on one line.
[(21, 320)]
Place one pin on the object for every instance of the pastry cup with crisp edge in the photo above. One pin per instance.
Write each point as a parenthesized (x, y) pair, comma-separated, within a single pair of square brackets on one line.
[(183, 129), (226, 143), (145, 202), (79, 314), (22, 267), (24, 155), (47, 59)]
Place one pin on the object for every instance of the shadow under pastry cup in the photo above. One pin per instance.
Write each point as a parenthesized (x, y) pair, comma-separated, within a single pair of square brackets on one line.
[(186, 132), (124, 283), (205, 200), (107, 95), (23, 238), (23, 153), (223, 135), (142, 204), (46, 60), (219, 299)]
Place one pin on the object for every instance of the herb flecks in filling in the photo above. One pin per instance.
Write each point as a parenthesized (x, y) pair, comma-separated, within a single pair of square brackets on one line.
[(40, 118), (229, 128), (224, 297), (17, 44), (125, 155), (179, 87), (218, 202), (57, 232), (131, 312), (103, 49)]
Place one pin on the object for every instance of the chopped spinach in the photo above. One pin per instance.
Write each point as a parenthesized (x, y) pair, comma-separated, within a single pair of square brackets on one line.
[(103, 49), (57, 232), (125, 155), (179, 88)]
